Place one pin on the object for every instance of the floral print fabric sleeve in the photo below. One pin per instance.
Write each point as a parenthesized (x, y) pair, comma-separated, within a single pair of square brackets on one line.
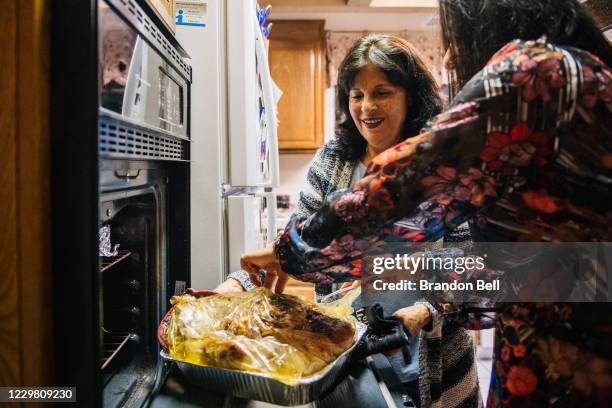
[(500, 129), (401, 181)]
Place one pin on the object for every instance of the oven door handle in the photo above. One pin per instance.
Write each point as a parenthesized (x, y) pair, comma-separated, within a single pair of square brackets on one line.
[(127, 174)]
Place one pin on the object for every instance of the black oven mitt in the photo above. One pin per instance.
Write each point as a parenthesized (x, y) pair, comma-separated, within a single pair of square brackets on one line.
[(384, 333)]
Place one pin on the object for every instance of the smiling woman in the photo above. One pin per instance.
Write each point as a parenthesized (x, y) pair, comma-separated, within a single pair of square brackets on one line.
[(385, 94), (378, 109)]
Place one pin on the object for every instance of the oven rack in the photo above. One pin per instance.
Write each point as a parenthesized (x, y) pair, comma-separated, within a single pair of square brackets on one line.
[(109, 262), (112, 345)]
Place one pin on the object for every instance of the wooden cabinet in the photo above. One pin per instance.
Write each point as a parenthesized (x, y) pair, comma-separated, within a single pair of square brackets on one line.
[(26, 341), (165, 11), (297, 63)]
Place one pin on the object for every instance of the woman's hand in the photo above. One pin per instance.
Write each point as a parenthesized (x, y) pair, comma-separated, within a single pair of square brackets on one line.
[(414, 318), (228, 286), (265, 259), (353, 284)]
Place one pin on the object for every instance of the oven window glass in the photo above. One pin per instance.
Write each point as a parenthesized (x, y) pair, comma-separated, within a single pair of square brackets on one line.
[(116, 49), (170, 100)]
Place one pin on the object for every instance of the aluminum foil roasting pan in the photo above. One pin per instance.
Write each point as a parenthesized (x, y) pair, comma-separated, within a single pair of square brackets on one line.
[(262, 387)]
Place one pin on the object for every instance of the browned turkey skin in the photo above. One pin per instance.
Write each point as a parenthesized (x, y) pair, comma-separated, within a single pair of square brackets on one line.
[(295, 322)]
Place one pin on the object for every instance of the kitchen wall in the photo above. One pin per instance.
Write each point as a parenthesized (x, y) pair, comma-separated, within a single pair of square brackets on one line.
[(420, 27), (294, 167)]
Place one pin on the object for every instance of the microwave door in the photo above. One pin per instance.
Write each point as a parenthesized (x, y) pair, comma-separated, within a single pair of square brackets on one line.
[(141, 98), (137, 85), (154, 94)]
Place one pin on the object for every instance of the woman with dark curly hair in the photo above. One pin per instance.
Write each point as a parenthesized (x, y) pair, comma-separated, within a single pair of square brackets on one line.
[(400, 81)]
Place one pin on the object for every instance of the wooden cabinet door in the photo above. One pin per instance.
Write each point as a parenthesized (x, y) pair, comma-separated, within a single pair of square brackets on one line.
[(26, 326), (297, 64)]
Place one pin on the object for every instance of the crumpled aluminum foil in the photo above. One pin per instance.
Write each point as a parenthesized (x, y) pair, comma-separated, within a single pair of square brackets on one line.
[(105, 248)]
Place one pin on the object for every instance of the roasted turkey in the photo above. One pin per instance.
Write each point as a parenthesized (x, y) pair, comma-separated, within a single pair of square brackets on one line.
[(281, 335)]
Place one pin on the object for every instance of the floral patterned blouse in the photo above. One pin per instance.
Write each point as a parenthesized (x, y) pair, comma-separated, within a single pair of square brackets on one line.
[(524, 153)]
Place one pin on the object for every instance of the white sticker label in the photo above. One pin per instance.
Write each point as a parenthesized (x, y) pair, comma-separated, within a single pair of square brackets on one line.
[(179, 287), (191, 14)]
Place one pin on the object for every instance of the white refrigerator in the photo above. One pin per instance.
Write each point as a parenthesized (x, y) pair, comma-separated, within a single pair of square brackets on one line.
[(234, 154)]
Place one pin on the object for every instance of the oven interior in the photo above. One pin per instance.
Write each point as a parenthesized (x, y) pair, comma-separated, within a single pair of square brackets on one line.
[(131, 294)]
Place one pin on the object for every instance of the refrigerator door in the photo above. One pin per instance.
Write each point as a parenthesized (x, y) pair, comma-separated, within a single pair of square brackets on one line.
[(232, 145), (267, 132), (206, 45), (249, 221), (251, 108)]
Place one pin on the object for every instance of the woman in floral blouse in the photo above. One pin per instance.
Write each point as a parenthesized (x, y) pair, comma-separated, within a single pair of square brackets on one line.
[(524, 153)]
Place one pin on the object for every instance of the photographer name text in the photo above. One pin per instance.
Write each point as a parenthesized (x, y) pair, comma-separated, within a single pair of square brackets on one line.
[(425, 285)]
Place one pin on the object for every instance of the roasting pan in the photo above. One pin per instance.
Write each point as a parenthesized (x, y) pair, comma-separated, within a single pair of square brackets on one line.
[(263, 387)]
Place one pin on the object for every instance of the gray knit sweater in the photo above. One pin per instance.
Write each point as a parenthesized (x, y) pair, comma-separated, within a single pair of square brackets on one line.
[(328, 172), (448, 376)]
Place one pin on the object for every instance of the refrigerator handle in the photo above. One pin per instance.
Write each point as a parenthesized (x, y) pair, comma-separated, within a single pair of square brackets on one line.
[(270, 102), (271, 204)]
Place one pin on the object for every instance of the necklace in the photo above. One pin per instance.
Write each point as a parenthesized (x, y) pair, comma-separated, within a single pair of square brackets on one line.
[(367, 157)]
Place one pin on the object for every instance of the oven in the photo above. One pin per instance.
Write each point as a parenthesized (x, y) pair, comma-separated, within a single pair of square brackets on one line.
[(143, 148), (121, 209)]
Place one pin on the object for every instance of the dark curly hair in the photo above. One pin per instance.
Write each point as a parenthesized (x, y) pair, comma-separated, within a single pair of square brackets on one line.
[(474, 30), (402, 66)]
